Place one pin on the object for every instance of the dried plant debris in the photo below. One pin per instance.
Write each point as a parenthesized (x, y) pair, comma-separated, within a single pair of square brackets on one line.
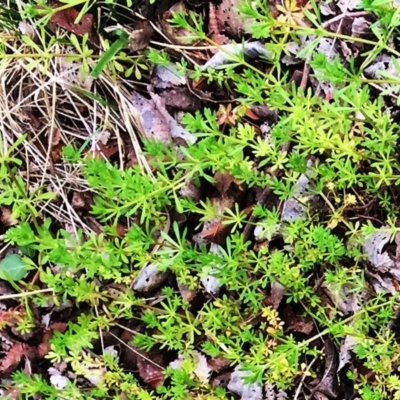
[(229, 19), (383, 67), (156, 122), (149, 278), (167, 76), (380, 259), (228, 51), (296, 206), (238, 386), (346, 348)]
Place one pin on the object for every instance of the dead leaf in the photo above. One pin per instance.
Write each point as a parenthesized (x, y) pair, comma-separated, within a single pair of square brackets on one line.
[(301, 324), (277, 293), (223, 181), (177, 35), (81, 200), (249, 49), (186, 293), (215, 233), (180, 98), (329, 383), (167, 76), (140, 35), (202, 370), (14, 356), (218, 363), (213, 26), (150, 373), (149, 278), (229, 19), (156, 122), (6, 216), (65, 19)]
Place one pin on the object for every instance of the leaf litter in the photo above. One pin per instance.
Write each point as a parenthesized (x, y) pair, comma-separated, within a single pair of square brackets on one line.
[(155, 113)]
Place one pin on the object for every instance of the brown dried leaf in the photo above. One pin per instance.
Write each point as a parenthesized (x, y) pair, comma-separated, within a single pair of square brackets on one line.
[(176, 35), (6, 216), (302, 325), (329, 381), (65, 19), (218, 363), (150, 373), (215, 233), (181, 99), (140, 36), (229, 19), (81, 200), (13, 357), (223, 181)]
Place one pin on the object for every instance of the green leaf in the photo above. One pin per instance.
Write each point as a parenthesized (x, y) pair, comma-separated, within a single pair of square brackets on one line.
[(108, 55), (12, 268)]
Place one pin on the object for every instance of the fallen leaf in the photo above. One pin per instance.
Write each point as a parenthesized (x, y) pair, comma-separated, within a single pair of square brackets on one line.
[(180, 36), (180, 98), (249, 49), (167, 76), (223, 181), (202, 371), (329, 381), (215, 232), (81, 200), (7, 218), (66, 20), (149, 278), (247, 391), (14, 356), (277, 293), (230, 20), (140, 35), (218, 363), (150, 373), (156, 122)]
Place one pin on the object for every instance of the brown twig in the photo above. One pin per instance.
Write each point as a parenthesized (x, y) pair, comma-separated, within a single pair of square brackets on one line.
[(304, 78)]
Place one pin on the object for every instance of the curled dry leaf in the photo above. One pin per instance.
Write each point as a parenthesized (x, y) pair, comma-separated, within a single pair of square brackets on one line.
[(329, 381)]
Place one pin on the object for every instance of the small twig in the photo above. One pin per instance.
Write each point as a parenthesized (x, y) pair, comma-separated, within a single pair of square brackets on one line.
[(343, 15), (25, 294), (136, 352), (303, 378), (304, 78)]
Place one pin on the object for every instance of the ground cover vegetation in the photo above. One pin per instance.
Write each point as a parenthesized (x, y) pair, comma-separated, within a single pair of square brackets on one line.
[(199, 199)]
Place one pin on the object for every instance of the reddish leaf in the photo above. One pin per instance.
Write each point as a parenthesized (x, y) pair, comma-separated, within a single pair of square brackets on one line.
[(150, 373), (215, 233), (13, 357), (223, 181), (65, 19)]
